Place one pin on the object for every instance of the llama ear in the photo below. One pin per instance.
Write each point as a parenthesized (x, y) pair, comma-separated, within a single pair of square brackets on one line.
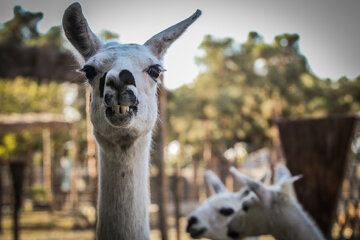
[(78, 31), (286, 183), (256, 186), (232, 170), (214, 182), (282, 172), (161, 41)]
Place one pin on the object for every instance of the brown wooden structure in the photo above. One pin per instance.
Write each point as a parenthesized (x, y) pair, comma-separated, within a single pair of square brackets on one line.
[(319, 150), (44, 122)]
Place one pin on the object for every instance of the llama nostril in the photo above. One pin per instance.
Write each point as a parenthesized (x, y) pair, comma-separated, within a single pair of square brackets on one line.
[(127, 78), (107, 98), (233, 234), (192, 220)]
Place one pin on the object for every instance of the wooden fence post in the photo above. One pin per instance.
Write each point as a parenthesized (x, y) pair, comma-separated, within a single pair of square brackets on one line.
[(46, 136)]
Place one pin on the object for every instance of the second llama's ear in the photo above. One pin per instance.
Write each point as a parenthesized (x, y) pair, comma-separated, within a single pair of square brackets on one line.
[(286, 184), (282, 172), (256, 186), (159, 43), (78, 31), (214, 182)]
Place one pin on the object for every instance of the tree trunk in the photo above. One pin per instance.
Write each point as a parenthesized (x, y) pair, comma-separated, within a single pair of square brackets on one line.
[(17, 169), (177, 200), (74, 196), (46, 136), (319, 150), (207, 156), (275, 152), (195, 188), (222, 164), (160, 162)]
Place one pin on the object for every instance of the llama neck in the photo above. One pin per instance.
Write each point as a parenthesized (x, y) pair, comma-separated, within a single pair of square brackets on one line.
[(291, 222), (123, 191)]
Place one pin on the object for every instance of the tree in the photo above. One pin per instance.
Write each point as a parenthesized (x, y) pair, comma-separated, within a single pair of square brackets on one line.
[(21, 28), (244, 89)]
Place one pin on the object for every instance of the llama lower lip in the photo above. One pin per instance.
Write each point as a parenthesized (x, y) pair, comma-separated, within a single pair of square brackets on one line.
[(197, 233)]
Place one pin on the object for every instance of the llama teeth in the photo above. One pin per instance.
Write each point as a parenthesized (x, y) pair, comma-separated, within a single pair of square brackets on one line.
[(116, 108), (123, 109)]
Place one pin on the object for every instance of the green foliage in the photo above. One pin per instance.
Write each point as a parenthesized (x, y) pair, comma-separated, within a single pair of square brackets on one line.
[(21, 28), (21, 96), (52, 39), (37, 194), (107, 35), (243, 89)]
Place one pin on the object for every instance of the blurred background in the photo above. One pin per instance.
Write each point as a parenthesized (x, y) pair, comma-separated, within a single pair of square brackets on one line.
[(250, 84)]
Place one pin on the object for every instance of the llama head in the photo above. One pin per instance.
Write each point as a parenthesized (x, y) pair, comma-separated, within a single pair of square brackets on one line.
[(211, 218), (256, 214), (123, 77)]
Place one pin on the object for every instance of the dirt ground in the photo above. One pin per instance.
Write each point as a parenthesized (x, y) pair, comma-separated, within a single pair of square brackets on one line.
[(41, 225), (60, 225)]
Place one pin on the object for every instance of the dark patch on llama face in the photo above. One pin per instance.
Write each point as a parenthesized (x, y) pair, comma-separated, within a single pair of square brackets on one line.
[(226, 211), (102, 84), (90, 72), (127, 78)]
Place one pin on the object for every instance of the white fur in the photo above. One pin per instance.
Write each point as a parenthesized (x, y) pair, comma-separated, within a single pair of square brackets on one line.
[(275, 211), (208, 213), (124, 146)]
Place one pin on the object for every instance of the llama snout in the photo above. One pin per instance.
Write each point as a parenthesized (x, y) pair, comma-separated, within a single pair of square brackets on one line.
[(123, 98), (193, 227), (120, 91)]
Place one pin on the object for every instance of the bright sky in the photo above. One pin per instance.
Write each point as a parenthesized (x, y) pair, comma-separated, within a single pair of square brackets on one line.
[(329, 29)]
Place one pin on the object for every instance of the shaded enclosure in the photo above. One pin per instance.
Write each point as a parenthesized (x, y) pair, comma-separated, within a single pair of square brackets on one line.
[(319, 150)]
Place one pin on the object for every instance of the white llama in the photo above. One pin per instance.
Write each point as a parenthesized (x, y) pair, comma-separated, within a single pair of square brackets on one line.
[(275, 211), (211, 218), (123, 109)]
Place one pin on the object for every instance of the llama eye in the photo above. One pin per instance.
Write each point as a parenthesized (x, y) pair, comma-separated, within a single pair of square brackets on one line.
[(226, 211), (89, 71), (246, 192), (245, 208), (154, 71)]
